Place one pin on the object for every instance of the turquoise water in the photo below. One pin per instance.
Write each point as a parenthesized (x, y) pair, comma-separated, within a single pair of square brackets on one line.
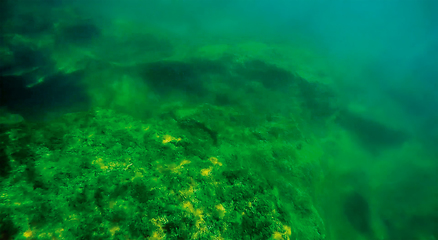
[(332, 106)]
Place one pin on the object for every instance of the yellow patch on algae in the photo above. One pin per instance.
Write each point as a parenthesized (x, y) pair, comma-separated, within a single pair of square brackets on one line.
[(206, 172)]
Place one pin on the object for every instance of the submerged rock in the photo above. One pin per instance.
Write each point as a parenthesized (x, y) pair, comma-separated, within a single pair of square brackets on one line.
[(10, 118)]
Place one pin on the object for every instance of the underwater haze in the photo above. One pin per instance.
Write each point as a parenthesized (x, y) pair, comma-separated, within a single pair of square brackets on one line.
[(219, 119), (384, 51)]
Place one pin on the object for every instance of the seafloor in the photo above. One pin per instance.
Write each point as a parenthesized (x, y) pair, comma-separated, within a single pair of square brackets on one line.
[(117, 130)]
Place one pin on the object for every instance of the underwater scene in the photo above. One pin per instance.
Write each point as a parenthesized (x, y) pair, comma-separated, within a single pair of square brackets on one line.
[(219, 119)]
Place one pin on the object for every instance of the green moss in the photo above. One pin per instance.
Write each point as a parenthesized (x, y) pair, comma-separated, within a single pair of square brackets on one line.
[(114, 176)]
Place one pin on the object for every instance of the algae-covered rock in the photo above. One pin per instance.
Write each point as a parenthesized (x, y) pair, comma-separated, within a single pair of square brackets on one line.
[(99, 174)]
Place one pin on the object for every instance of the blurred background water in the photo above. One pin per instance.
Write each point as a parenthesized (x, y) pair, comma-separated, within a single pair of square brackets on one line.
[(378, 58)]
